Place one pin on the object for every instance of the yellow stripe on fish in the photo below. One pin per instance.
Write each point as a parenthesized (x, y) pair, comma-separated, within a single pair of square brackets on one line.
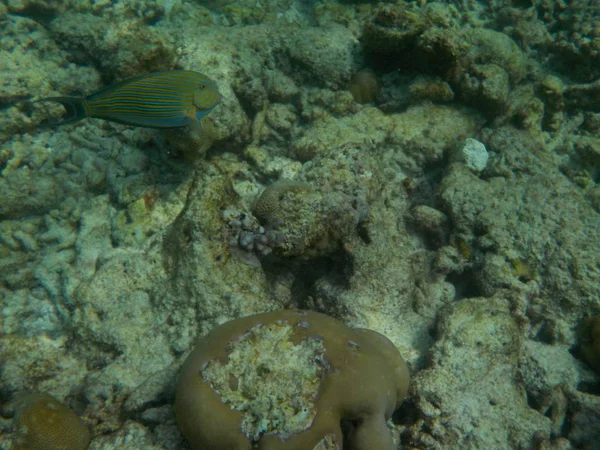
[(157, 100)]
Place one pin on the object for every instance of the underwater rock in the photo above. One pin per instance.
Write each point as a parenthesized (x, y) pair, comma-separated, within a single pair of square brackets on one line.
[(473, 154), (269, 63), (427, 40), (480, 64), (318, 373), (574, 43), (433, 89), (25, 192), (34, 8), (488, 46), (487, 72), (133, 435), (474, 365), (392, 32), (433, 222), (325, 54), (484, 85), (280, 87), (367, 127), (196, 256), (551, 92), (32, 64), (119, 49), (582, 422), (426, 132), (550, 373)]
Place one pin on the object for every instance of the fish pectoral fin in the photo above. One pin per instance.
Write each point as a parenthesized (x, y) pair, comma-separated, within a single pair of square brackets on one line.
[(191, 114)]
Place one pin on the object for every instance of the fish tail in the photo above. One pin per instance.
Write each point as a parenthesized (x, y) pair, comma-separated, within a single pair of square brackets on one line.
[(76, 109)]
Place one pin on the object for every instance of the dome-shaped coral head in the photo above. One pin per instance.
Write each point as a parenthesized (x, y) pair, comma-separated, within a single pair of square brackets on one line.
[(43, 423), (287, 380)]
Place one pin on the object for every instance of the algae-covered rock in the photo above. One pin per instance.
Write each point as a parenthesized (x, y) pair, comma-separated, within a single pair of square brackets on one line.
[(425, 132), (492, 47), (481, 65), (586, 96), (586, 413), (368, 126), (318, 372), (25, 193), (431, 88), (486, 86), (119, 49), (574, 46), (474, 367), (326, 54), (392, 31), (32, 65)]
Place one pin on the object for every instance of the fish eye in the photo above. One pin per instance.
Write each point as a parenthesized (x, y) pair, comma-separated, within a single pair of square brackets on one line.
[(202, 86)]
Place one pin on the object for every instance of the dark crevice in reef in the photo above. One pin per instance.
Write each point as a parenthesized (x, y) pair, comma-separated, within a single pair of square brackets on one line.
[(465, 284), (318, 278), (589, 388)]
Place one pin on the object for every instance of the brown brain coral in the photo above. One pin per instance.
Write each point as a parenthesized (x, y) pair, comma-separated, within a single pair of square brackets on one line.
[(43, 423), (288, 380)]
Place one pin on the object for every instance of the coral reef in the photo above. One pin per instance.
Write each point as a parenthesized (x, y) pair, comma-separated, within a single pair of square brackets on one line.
[(310, 364), (120, 246)]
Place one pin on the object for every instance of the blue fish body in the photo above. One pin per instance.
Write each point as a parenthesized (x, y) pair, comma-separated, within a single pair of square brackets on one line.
[(168, 99)]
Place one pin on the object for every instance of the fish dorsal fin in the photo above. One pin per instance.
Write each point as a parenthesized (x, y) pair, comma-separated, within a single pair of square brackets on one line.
[(113, 87)]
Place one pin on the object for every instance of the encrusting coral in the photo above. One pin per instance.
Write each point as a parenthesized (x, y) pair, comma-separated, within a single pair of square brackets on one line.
[(43, 423), (288, 380)]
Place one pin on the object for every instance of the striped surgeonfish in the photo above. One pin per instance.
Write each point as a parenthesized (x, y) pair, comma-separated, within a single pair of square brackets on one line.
[(156, 100)]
